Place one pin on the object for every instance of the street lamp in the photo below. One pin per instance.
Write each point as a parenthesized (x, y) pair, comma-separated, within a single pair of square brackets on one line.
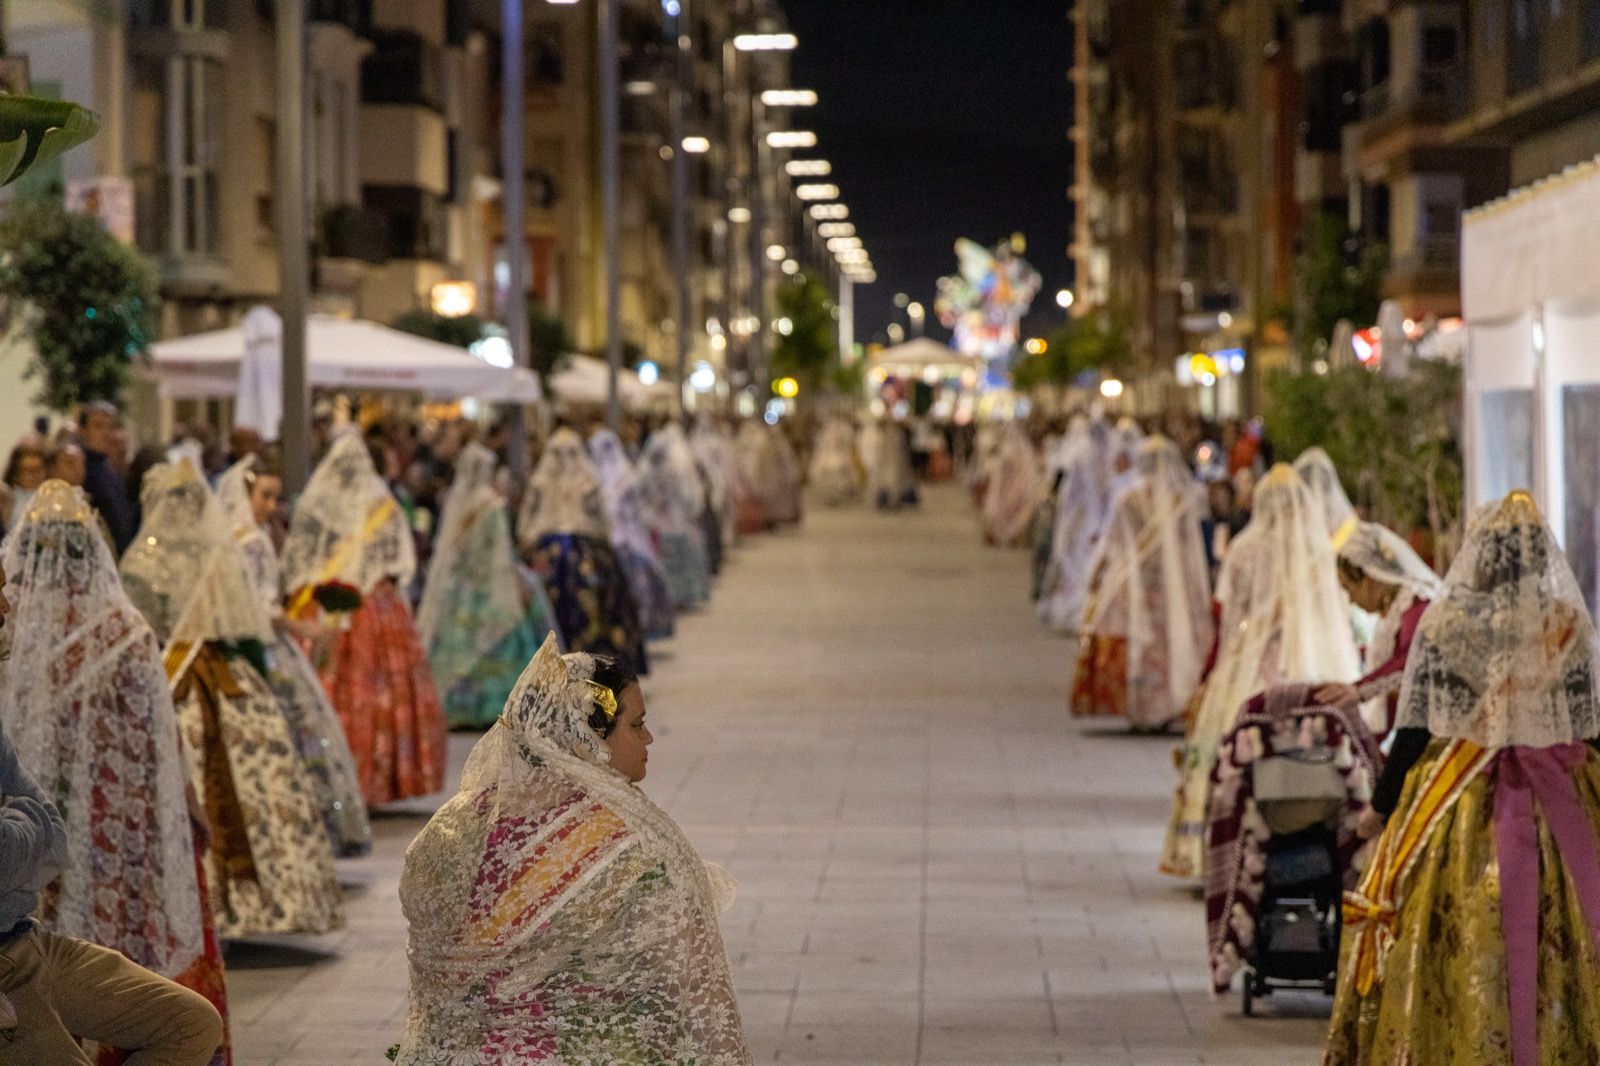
[(817, 192), (791, 139), (829, 212), (763, 42), (1065, 299), (789, 98), (697, 145), (808, 168), (837, 229)]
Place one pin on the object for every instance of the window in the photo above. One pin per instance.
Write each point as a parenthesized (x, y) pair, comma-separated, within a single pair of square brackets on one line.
[(1439, 46), (266, 133)]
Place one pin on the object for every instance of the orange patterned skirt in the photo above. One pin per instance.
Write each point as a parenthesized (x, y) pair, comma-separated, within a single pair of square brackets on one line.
[(378, 678), (1100, 682)]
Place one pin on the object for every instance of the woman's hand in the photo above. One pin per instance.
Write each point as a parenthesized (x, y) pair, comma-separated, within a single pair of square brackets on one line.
[(1369, 823), (1336, 695)]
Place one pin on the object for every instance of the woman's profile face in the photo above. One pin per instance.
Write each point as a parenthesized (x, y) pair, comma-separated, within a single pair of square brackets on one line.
[(30, 472), (1368, 593), (630, 740), (264, 497)]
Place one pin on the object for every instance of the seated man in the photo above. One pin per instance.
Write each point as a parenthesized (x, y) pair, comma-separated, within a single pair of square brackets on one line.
[(55, 990)]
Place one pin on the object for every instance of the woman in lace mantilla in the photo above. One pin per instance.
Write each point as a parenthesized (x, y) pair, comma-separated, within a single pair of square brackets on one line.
[(556, 914)]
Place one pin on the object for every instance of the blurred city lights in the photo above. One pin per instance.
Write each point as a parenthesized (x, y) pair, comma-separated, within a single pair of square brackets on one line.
[(791, 139), (808, 168), (1035, 346), (738, 215), (777, 253), (649, 373), (760, 42), (788, 388), (829, 212), (1065, 299), (697, 145), (837, 229), (817, 192), (704, 377), (789, 98), (1111, 388), (452, 299)]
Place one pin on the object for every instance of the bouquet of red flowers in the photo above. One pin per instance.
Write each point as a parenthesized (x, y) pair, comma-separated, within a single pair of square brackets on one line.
[(337, 597)]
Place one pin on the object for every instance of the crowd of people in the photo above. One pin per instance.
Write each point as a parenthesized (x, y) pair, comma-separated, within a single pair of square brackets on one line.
[(1384, 771), (208, 687)]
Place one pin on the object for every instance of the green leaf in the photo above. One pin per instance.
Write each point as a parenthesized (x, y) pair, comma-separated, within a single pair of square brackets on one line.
[(46, 129)]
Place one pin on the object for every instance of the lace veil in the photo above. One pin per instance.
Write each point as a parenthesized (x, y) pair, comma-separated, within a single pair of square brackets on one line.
[(550, 892), (1153, 554), (255, 543), (471, 500), (1320, 475), (347, 526), (563, 493), (1383, 555), (619, 485), (184, 571), (1506, 655), (87, 705)]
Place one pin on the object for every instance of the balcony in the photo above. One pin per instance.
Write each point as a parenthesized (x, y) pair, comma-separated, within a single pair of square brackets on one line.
[(355, 15), (404, 145), (402, 69), (1436, 254), (352, 232)]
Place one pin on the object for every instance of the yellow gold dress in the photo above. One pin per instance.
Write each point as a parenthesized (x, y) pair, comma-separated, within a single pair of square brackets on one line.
[(1442, 998)]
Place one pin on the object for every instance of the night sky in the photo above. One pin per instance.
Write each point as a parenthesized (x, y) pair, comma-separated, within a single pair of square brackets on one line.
[(943, 119)]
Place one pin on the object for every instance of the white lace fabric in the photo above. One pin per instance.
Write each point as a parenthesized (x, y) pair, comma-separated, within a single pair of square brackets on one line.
[(86, 703), (1383, 555), (619, 485), (1506, 656), (1083, 510), (472, 499), (555, 912), (184, 570), (563, 494), (255, 544), (347, 526), (670, 489), (1015, 482), (1153, 553), (1316, 469)]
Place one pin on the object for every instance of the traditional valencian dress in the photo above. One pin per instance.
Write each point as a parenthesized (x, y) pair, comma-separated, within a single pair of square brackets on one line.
[(672, 500), (1283, 619), (714, 452), (350, 546), (556, 914), (330, 768), (1016, 481), (478, 622), (1147, 626), (1322, 478), (86, 701), (1471, 937), (635, 548), (1382, 555), (1083, 510), (562, 533), (270, 864), (834, 475)]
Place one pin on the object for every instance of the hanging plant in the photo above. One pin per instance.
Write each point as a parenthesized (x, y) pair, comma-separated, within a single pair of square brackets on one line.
[(34, 131)]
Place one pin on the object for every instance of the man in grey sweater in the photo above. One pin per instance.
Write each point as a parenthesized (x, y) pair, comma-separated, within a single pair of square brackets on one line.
[(55, 990)]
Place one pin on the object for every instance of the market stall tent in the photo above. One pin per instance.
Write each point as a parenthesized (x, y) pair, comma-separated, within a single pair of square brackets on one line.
[(909, 359), (1530, 294), (583, 379), (341, 354)]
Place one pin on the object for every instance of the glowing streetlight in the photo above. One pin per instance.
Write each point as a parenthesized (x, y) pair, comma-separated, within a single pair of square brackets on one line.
[(817, 192), (761, 42), (840, 244), (789, 98), (738, 215), (829, 212), (837, 229), (791, 139), (777, 253), (808, 168), (1111, 388), (1065, 299), (1035, 346), (452, 299), (697, 145)]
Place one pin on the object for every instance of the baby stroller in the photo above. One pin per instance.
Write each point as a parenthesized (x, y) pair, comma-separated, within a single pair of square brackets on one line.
[(1290, 781)]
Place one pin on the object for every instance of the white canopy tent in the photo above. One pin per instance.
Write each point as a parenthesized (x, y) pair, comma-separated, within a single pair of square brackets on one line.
[(342, 354), (1530, 294), (587, 380), (915, 355)]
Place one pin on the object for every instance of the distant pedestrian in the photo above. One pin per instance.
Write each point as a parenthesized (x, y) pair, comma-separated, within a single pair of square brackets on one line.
[(104, 484)]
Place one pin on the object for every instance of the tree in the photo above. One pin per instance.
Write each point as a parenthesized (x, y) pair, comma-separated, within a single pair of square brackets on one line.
[(810, 349), (87, 300), (1086, 344), (1340, 276), (1395, 441), (463, 331)]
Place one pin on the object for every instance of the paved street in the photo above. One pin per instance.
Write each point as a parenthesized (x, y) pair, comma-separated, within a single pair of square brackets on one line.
[(936, 865)]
